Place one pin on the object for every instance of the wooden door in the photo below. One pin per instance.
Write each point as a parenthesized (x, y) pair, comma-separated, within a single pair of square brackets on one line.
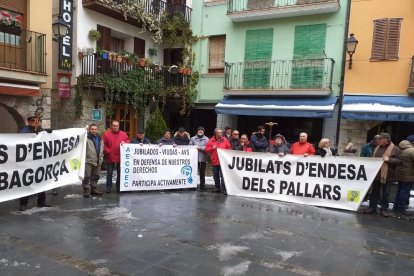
[(127, 118)]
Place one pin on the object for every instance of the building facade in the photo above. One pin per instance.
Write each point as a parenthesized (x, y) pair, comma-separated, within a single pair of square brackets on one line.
[(25, 63), (117, 62), (378, 91), (271, 61)]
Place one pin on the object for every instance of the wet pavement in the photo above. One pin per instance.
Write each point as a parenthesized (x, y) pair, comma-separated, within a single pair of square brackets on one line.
[(197, 233)]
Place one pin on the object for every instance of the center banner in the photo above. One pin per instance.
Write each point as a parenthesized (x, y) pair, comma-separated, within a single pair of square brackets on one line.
[(334, 181), (151, 167)]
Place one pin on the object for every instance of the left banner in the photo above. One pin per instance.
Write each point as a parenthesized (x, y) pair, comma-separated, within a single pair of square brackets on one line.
[(31, 163), (151, 167)]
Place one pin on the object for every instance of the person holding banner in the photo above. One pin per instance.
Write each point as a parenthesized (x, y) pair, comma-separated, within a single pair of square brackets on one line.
[(381, 186), (217, 142), (141, 139), (93, 162), (234, 140), (181, 137), (324, 148), (113, 139), (200, 140), (280, 147), (244, 144), (33, 126), (258, 140), (302, 147), (166, 139)]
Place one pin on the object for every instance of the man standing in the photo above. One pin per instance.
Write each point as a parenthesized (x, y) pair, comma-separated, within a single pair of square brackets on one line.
[(302, 147), (380, 188), (258, 140), (33, 126), (113, 139), (368, 148), (166, 139), (227, 132), (234, 140), (279, 147), (405, 174), (141, 139), (200, 140), (93, 162), (217, 142), (181, 138)]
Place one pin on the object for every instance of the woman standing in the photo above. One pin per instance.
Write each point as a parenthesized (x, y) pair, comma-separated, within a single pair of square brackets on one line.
[(324, 148)]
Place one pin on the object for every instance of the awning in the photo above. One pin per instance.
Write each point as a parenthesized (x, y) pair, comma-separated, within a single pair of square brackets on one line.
[(278, 107), (378, 108), (19, 89)]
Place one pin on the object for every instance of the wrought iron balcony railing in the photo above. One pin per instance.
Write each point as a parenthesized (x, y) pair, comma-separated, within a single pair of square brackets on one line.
[(22, 50), (285, 77), (411, 81), (93, 66)]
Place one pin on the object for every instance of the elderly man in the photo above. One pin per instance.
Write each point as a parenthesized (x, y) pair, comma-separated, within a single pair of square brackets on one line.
[(181, 138), (141, 139), (302, 147), (200, 140), (381, 186), (166, 139)]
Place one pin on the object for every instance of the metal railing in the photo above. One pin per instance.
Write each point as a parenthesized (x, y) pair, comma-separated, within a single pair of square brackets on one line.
[(280, 74), (411, 82), (158, 7), (247, 5), (23, 50), (93, 66)]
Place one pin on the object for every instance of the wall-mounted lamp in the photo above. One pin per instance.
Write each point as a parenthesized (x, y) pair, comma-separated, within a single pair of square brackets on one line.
[(351, 44), (59, 27)]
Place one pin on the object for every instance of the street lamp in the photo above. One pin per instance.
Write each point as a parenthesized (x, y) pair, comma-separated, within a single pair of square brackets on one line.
[(59, 27), (351, 44)]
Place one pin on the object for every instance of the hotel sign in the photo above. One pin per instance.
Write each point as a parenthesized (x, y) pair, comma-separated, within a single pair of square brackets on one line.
[(66, 43)]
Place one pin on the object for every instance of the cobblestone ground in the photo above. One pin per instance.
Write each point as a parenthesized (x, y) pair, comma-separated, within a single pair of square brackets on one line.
[(197, 233)]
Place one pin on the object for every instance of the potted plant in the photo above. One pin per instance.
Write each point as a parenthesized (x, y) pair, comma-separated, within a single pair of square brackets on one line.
[(89, 51), (152, 52), (148, 62), (112, 56), (119, 57), (141, 62), (11, 24), (94, 35), (104, 54), (81, 53)]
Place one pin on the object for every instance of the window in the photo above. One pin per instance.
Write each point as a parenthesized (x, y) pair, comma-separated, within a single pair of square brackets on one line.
[(217, 45), (386, 39), (117, 44)]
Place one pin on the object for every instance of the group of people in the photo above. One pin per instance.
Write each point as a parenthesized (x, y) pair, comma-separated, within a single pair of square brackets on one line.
[(398, 160)]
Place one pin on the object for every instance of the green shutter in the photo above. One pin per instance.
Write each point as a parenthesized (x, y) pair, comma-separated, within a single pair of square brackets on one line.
[(309, 44), (257, 57)]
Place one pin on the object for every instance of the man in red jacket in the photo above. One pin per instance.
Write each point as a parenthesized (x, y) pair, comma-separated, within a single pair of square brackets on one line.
[(217, 142), (302, 147), (113, 139)]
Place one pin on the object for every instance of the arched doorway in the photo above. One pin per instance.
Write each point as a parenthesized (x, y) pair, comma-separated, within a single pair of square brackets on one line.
[(12, 121)]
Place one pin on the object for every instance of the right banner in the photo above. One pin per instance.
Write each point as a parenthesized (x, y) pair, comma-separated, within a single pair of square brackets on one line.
[(334, 181)]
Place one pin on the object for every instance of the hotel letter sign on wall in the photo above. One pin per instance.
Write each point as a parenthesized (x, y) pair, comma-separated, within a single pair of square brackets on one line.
[(65, 43)]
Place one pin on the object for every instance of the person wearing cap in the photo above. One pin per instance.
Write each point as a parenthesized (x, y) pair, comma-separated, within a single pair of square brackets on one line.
[(140, 138), (302, 147), (405, 174), (244, 144), (33, 126), (93, 162), (258, 140), (368, 148), (200, 140), (166, 139), (279, 147), (217, 142), (380, 188), (181, 137), (113, 139), (324, 148)]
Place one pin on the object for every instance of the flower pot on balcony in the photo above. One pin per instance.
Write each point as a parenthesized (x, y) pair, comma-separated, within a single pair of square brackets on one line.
[(119, 59), (188, 72), (104, 55), (181, 70), (141, 63), (10, 30), (80, 55)]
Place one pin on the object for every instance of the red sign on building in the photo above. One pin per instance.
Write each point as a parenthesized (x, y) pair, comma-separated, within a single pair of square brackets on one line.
[(63, 82)]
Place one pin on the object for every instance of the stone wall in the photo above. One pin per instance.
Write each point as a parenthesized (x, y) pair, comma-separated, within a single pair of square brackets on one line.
[(355, 132)]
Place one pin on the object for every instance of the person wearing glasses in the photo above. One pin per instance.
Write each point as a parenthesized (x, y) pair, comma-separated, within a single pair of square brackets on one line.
[(234, 140)]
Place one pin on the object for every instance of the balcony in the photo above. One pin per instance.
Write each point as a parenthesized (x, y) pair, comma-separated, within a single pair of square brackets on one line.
[(305, 77), (410, 89), (253, 10), (96, 67), (154, 7), (23, 55)]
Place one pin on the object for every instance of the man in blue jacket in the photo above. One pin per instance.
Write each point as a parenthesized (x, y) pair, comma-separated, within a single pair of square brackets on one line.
[(368, 148), (258, 140)]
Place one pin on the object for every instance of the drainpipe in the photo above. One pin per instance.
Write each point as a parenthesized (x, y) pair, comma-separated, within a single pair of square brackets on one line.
[(341, 85)]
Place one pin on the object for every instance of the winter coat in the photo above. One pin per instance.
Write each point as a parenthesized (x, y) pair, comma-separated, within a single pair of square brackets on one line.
[(221, 143), (300, 149), (259, 143), (405, 172), (182, 141), (29, 129), (144, 141), (368, 149), (322, 152), (93, 157), (246, 147), (234, 143), (394, 161), (112, 144), (201, 143), (165, 141), (279, 149)]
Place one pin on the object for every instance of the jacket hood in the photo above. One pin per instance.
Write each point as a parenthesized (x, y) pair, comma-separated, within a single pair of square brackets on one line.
[(404, 144)]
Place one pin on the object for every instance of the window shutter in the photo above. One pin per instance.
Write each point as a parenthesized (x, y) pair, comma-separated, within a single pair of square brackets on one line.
[(18, 6), (139, 47), (216, 54), (105, 42), (393, 38), (379, 38), (167, 57), (258, 45), (309, 41)]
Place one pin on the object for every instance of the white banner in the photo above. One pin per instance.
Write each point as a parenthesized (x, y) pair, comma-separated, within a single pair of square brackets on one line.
[(151, 167), (31, 163), (336, 182)]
